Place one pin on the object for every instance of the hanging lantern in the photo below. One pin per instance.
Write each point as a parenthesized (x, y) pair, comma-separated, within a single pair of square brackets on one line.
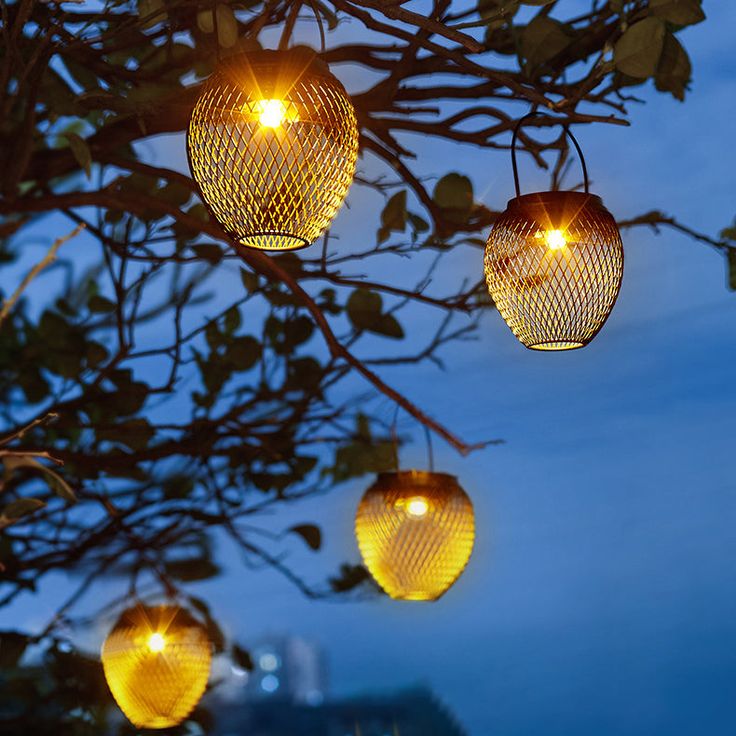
[(157, 662), (554, 263), (272, 144), (415, 531)]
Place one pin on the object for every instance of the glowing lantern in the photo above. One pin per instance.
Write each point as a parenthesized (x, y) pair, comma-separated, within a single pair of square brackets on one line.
[(272, 144), (554, 263), (415, 531), (157, 662)]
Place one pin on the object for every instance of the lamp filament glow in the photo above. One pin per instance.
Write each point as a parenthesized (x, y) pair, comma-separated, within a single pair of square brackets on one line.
[(555, 239), (417, 507), (156, 642), (272, 113)]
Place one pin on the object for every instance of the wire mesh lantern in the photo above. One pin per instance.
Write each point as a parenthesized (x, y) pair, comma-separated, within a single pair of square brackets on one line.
[(157, 663), (272, 144), (415, 531), (554, 263)]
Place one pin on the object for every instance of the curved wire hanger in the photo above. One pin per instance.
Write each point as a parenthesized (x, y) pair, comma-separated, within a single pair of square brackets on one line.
[(569, 134)]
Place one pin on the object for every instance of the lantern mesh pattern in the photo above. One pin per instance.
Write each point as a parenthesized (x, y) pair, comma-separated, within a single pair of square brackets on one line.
[(415, 531), (157, 682), (273, 144), (555, 293)]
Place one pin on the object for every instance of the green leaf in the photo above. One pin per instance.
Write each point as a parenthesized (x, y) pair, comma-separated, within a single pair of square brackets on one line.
[(542, 40), (393, 217), (310, 533), (496, 12), (679, 12), (191, 569), (675, 70), (242, 657), (388, 326), (249, 279), (12, 646), (227, 26), (22, 507), (244, 352), (351, 576), (214, 632), (55, 482), (638, 51), (100, 304), (454, 192), (80, 151), (731, 259), (151, 11), (134, 433), (205, 21), (364, 308), (209, 252)]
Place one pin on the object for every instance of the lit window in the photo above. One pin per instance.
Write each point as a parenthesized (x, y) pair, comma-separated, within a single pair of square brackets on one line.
[(268, 662)]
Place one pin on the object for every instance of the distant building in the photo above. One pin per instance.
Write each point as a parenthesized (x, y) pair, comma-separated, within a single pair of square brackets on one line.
[(414, 712), (287, 668)]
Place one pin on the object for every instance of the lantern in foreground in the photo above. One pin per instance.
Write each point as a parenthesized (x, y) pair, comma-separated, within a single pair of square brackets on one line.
[(553, 264), (272, 144), (415, 531), (157, 662)]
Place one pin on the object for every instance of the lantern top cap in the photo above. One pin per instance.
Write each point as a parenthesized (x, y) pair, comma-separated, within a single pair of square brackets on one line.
[(301, 58), (172, 614), (556, 199), (415, 478)]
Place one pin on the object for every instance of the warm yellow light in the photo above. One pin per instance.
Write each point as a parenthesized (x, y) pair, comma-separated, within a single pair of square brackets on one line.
[(156, 642), (157, 678), (272, 113), (417, 506), (555, 239), (415, 531)]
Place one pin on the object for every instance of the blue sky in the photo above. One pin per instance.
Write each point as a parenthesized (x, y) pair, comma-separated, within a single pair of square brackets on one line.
[(601, 595)]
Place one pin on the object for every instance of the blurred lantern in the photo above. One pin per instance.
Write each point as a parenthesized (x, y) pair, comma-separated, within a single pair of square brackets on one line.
[(415, 531), (272, 144), (157, 662), (554, 263)]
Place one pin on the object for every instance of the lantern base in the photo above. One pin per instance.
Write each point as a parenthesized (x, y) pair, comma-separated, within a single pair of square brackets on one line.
[(557, 345), (273, 241)]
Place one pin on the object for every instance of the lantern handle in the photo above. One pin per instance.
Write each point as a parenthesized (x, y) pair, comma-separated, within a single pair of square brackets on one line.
[(569, 134)]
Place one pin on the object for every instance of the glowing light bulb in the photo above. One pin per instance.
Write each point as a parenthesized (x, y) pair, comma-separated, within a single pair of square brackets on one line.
[(555, 239), (272, 113), (156, 642), (417, 506)]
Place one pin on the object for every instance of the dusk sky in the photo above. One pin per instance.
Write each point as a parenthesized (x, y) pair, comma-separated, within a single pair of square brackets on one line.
[(601, 595)]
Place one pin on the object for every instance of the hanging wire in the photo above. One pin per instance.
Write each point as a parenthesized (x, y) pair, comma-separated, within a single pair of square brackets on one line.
[(216, 30), (320, 25), (430, 451), (395, 438), (289, 25), (395, 442), (568, 132)]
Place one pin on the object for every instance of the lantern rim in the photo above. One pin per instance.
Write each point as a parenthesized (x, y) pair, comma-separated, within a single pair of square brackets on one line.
[(556, 198), (264, 58), (556, 346), (414, 478)]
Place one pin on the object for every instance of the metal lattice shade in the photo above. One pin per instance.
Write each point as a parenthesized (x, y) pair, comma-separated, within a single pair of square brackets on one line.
[(554, 264), (415, 531), (157, 662), (273, 144)]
